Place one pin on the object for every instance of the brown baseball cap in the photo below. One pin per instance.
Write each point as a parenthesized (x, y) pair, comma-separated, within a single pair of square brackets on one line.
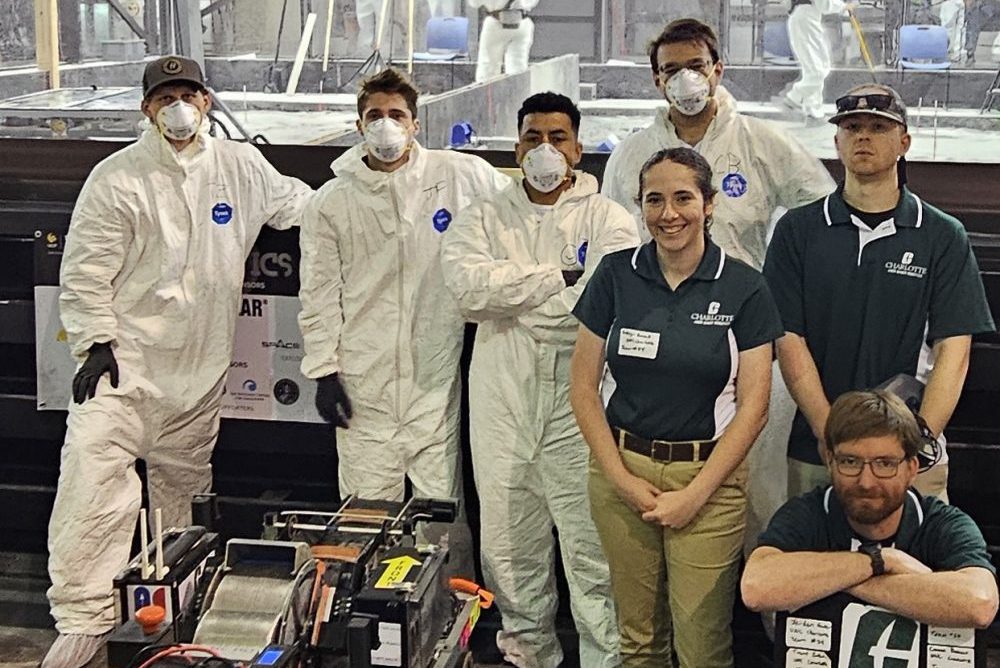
[(169, 69)]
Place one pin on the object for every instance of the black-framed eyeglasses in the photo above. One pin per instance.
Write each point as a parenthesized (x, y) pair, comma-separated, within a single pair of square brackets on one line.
[(876, 101), (882, 467)]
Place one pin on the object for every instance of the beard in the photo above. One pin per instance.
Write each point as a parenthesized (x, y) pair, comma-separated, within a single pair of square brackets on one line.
[(869, 507)]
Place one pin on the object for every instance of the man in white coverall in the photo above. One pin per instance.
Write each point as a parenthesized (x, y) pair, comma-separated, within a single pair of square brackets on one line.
[(367, 13), (812, 49), (151, 281), (382, 335), (516, 263), (506, 37), (756, 169)]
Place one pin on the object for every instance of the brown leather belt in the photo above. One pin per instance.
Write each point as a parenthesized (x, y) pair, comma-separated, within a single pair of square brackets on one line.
[(664, 451)]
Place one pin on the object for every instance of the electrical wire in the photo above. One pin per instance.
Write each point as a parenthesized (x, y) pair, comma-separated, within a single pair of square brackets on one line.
[(179, 649)]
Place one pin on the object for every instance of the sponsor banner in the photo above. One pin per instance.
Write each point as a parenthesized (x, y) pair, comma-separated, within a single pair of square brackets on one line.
[(264, 380)]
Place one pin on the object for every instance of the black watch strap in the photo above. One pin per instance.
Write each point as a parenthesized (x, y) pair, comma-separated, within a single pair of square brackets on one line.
[(874, 552)]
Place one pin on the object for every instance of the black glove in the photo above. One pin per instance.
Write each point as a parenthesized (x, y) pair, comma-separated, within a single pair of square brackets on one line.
[(100, 360), (332, 402), (571, 277)]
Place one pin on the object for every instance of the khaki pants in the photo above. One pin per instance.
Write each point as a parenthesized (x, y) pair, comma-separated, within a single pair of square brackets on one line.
[(674, 589), (803, 477)]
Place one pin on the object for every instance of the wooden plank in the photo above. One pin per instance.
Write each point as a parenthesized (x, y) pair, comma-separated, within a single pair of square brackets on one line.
[(47, 39)]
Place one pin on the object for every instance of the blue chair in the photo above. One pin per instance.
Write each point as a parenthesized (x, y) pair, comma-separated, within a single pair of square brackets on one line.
[(923, 47), (447, 38)]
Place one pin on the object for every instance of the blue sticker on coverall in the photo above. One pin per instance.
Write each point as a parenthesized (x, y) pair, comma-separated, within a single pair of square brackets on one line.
[(222, 213), (442, 219), (734, 184), (581, 253)]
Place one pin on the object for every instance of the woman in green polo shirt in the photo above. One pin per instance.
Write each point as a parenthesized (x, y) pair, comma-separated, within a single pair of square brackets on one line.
[(670, 383)]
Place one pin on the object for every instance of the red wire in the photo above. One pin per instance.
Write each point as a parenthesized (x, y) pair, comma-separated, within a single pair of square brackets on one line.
[(179, 649)]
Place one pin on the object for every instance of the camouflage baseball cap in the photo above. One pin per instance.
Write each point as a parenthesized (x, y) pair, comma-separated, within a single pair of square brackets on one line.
[(871, 99), (169, 69)]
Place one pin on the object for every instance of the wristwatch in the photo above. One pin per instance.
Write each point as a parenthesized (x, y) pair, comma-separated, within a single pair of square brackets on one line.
[(874, 552)]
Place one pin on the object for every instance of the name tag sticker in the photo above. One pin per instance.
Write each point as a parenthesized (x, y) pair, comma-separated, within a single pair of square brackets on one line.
[(637, 343)]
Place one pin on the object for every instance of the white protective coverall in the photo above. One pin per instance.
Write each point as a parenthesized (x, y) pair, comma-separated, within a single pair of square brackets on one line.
[(952, 16), (154, 264), (755, 167), (812, 49), (764, 169), (375, 310), (499, 45), (503, 261), (368, 12)]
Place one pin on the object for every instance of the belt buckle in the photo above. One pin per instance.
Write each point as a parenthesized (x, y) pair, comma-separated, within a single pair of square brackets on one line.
[(661, 446)]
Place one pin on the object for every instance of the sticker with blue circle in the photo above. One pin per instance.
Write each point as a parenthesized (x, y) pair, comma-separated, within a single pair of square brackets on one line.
[(442, 219), (581, 253), (734, 184), (222, 213)]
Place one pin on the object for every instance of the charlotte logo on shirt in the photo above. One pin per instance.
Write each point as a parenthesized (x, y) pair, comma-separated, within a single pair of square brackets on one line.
[(711, 316), (905, 267)]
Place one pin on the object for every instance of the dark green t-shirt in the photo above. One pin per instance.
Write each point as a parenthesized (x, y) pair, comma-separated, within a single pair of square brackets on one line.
[(672, 356), (940, 536), (871, 302)]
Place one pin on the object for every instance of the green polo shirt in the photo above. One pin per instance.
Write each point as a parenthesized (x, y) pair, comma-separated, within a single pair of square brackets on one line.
[(871, 302), (672, 356), (940, 536)]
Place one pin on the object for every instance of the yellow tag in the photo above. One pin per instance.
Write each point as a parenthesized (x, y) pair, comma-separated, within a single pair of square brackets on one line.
[(396, 572)]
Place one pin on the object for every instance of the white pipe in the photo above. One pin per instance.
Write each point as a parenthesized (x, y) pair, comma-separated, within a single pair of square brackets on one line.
[(934, 149), (329, 31), (144, 541), (300, 56), (160, 570), (409, 62)]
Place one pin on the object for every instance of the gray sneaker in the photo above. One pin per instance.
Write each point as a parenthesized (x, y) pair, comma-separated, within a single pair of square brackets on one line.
[(73, 650)]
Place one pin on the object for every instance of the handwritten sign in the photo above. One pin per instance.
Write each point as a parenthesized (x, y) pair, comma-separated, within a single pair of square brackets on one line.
[(804, 658), (808, 634)]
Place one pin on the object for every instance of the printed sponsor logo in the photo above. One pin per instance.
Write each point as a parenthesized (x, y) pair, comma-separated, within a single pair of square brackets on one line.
[(875, 638), (282, 344), (252, 307), (711, 316), (222, 213), (734, 184), (271, 265), (441, 219), (286, 391), (905, 267)]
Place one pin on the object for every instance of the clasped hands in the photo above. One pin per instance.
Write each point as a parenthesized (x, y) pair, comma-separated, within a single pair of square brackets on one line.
[(674, 509)]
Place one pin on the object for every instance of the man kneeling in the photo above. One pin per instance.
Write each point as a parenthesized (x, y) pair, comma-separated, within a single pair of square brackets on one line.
[(871, 535)]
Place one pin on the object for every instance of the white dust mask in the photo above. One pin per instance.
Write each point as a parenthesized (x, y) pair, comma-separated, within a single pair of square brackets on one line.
[(688, 92), (386, 139), (544, 167), (179, 121)]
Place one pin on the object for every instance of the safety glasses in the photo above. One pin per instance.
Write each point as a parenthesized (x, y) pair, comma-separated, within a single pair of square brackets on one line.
[(875, 101)]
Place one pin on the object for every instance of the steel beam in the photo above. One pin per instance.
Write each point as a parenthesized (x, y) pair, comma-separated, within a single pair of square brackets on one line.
[(127, 18)]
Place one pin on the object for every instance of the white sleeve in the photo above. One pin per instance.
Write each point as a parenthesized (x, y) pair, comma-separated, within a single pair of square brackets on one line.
[(485, 287), (322, 317), (99, 233), (830, 6), (797, 176), (612, 186), (613, 229), (280, 198)]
